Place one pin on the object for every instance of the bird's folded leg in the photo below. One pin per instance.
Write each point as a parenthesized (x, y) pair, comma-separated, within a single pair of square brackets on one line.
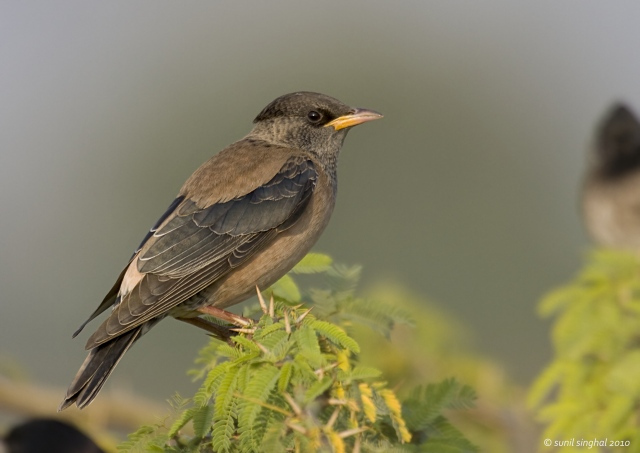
[(216, 331), (225, 315)]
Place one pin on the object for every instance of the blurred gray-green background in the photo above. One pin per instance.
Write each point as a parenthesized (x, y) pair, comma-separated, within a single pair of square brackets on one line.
[(466, 192)]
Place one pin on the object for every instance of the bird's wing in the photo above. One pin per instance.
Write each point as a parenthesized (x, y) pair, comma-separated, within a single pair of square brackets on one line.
[(195, 245)]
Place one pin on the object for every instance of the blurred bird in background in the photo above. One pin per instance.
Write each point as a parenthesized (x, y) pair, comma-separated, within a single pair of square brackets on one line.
[(611, 192), (47, 436), (241, 221)]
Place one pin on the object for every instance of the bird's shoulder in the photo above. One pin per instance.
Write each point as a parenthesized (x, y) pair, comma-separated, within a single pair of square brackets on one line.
[(239, 169)]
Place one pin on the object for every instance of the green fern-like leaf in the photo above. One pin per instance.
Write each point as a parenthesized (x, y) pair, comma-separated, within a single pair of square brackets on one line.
[(145, 439), (223, 429), (318, 388), (273, 339), (364, 372), (543, 386), (313, 263), (224, 410), (334, 334), (286, 371), (307, 341), (275, 438), (245, 343), (345, 278), (286, 289), (228, 352), (268, 330), (426, 403), (254, 397), (214, 378), (184, 418), (373, 313), (202, 418)]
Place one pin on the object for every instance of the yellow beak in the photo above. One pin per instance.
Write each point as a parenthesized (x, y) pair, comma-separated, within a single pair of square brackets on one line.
[(358, 116)]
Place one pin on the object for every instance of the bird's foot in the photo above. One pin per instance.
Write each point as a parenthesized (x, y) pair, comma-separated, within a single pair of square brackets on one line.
[(225, 333), (219, 313), (215, 330)]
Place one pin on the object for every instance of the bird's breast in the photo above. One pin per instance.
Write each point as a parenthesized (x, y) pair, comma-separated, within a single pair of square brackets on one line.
[(276, 259), (612, 211)]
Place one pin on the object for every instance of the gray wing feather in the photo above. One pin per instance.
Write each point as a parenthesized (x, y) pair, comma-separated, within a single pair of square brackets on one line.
[(197, 246)]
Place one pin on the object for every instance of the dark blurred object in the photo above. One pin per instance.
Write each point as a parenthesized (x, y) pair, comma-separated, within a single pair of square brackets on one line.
[(48, 436), (611, 194)]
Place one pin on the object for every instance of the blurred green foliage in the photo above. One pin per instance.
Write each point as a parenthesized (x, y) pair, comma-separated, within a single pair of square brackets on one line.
[(435, 346), (591, 389), (296, 381)]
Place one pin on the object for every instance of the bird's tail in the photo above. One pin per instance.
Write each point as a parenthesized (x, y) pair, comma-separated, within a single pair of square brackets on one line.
[(96, 369)]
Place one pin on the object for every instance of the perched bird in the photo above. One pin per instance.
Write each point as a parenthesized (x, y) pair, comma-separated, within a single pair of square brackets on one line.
[(611, 192), (241, 221)]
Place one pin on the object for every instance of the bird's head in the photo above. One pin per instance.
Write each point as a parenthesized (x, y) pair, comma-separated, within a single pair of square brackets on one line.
[(618, 143), (311, 121)]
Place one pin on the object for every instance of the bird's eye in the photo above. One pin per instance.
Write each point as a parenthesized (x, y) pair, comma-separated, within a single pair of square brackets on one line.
[(314, 116)]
